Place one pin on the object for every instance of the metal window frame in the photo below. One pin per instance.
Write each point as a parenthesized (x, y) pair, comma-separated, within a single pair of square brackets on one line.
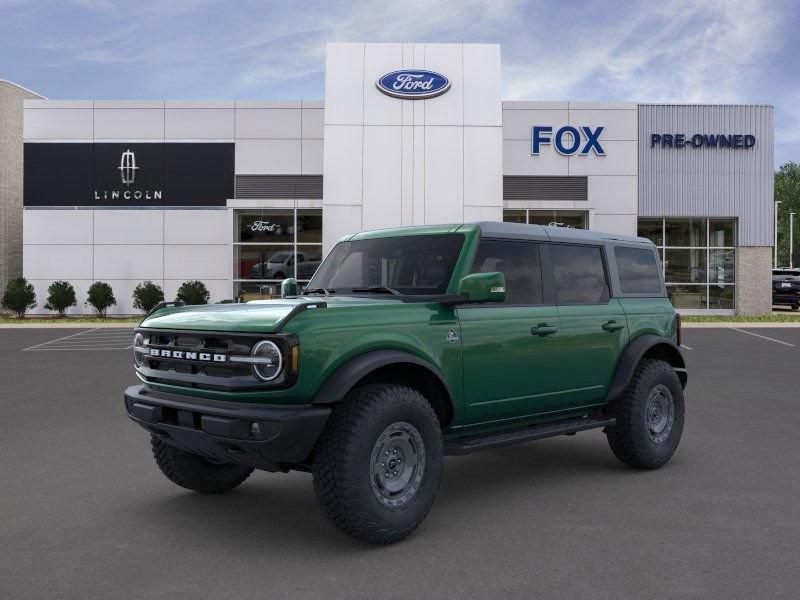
[(294, 243), (662, 249)]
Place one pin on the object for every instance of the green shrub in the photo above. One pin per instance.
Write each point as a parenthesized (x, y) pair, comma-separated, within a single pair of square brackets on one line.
[(19, 297), (101, 297), (193, 292), (147, 295), (60, 296)]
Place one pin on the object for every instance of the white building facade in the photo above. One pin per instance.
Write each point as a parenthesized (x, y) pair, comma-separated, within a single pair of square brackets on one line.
[(241, 194)]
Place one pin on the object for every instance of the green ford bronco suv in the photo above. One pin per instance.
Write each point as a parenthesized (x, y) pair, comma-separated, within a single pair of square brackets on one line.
[(408, 345)]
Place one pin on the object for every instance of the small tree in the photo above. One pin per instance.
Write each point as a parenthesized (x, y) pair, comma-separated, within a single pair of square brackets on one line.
[(19, 296), (193, 292), (101, 297), (60, 296), (146, 295)]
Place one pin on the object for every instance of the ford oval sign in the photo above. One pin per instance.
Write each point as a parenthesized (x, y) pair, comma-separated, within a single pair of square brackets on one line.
[(413, 84)]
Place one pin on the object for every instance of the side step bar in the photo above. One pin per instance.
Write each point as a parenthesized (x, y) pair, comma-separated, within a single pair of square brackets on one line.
[(468, 445)]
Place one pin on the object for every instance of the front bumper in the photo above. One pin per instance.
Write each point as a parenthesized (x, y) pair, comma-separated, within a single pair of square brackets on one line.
[(787, 297), (225, 431)]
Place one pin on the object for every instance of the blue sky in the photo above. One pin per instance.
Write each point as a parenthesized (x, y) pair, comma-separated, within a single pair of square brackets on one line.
[(664, 50)]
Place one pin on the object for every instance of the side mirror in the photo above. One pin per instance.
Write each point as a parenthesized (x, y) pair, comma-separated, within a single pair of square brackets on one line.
[(288, 287), (483, 287)]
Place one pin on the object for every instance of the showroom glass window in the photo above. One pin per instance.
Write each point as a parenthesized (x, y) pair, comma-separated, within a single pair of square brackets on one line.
[(576, 219), (699, 260), (273, 244)]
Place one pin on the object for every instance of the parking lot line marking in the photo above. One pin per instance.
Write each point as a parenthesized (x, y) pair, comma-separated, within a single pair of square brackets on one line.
[(89, 343), (685, 346), (58, 340), (101, 334), (90, 339), (97, 337), (758, 335), (79, 349)]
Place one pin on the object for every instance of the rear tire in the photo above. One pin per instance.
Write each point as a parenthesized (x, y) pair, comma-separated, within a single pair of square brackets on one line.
[(378, 463), (194, 472), (650, 416)]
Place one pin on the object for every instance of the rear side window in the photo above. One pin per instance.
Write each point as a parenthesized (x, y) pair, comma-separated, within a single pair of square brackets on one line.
[(519, 262), (638, 271), (579, 273)]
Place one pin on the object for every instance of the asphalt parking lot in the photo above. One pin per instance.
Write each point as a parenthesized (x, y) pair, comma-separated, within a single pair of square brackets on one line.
[(84, 512)]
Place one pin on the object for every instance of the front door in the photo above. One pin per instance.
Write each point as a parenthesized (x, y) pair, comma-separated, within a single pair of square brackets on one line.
[(511, 351), (593, 325)]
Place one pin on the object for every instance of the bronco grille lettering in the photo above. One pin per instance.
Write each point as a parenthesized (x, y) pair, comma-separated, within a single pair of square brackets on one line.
[(203, 356)]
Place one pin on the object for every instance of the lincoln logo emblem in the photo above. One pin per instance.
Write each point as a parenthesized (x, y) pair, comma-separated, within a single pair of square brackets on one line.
[(127, 167)]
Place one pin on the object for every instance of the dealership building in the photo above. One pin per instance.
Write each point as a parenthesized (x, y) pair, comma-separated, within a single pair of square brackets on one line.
[(239, 194)]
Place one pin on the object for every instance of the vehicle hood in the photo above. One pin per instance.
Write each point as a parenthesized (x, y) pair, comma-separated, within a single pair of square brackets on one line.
[(260, 316)]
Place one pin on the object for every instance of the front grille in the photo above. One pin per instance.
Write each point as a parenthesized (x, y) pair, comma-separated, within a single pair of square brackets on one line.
[(193, 359)]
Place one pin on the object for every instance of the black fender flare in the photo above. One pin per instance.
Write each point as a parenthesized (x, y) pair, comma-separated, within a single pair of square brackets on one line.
[(633, 354), (354, 370)]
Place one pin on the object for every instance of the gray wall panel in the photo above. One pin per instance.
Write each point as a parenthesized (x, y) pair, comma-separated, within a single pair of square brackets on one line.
[(723, 182)]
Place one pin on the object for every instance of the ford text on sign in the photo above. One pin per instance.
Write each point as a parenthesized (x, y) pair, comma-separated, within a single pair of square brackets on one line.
[(413, 84), (568, 140)]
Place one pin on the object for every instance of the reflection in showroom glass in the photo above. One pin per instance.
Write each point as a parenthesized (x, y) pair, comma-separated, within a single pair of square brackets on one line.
[(711, 261), (685, 266), (687, 296), (576, 219)]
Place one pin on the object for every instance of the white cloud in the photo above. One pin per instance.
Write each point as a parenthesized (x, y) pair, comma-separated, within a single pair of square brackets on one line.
[(651, 51), (679, 50)]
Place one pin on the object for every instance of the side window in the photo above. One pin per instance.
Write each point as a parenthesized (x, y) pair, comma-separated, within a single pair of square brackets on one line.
[(638, 271), (580, 276), (519, 262)]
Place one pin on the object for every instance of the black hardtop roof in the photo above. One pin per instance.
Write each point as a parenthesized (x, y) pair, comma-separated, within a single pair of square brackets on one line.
[(553, 234)]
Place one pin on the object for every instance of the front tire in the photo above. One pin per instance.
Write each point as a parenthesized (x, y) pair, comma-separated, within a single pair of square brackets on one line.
[(378, 464), (650, 416), (194, 472)]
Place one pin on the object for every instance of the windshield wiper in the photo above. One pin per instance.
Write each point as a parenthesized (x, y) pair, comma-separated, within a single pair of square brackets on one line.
[(321, 290), (377, 289)]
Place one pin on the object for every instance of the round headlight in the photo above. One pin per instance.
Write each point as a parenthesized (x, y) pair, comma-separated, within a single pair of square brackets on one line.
[(138, 349), (270, 361)]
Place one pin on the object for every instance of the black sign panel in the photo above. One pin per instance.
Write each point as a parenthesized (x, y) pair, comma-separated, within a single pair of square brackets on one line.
[(128, 174)]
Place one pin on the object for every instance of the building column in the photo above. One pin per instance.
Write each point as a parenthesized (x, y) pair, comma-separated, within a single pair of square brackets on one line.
[(753, 280)]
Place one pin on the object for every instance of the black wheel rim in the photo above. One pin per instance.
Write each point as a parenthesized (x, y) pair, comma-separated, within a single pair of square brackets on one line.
[(397, 464), (660, 413)]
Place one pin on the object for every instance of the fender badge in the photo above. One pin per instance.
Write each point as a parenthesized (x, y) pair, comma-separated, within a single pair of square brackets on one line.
[(452, 336)]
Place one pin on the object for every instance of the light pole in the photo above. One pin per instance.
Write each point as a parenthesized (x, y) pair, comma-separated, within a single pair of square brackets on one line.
[(777, 202), (791, 238)]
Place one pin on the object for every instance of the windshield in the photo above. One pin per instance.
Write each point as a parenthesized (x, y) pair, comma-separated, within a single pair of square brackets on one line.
[(279, 257), (413, 265)]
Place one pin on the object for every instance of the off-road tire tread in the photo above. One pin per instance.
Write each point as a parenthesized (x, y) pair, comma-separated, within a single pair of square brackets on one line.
[(629, 442), (193, 472), (334, 460)]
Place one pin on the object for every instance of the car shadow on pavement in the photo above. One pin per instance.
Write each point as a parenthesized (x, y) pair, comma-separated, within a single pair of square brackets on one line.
[(281, 509)]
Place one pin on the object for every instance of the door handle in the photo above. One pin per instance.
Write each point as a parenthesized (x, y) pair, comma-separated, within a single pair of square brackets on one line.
[(612, 325), (543, 329)]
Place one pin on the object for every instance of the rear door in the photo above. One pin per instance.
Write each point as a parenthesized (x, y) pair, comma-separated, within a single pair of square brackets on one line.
[(511, 351), (593, 325)]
